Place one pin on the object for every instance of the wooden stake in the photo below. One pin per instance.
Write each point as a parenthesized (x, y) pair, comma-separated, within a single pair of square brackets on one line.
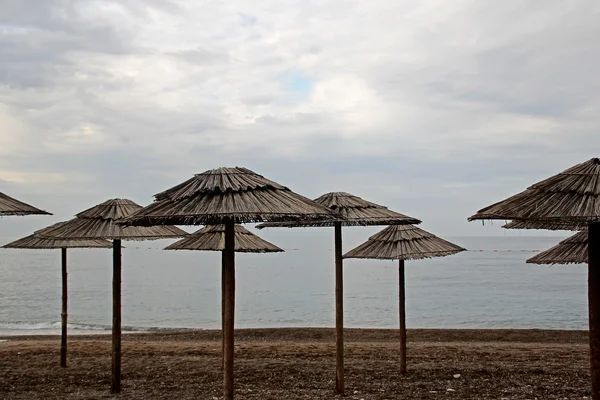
[(63, 315), (339, 310), (116, 328), (402, 308), (594, 305), (228, 300)]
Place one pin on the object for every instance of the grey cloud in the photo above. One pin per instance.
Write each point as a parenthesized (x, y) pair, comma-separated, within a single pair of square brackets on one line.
[(458, 78)]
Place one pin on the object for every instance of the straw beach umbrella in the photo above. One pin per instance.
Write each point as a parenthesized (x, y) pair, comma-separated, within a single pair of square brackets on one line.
[(36, 241), (228, 196), (573, 250), (403, 242), (99, 222), (10, 206), (212, 238), (568, 200), (352, 211)]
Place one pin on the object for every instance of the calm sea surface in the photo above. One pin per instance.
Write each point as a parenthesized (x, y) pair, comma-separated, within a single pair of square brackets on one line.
[(166, 289)]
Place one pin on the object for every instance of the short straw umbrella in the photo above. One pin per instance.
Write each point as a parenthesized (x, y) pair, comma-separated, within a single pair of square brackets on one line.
[(212, 238), (568, 200), (353, 211), (99, 222), (403, 242), (228, 196), (573, 250), (36, 242), (11, 206)]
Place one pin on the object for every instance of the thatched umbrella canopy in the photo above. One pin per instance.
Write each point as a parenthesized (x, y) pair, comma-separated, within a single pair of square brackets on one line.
[(530, 224), (11, 206), (100, 222), (212, 238), (573, 250), (35, 242), (228, 196), (352, 211), (403, 242), (568, 200)]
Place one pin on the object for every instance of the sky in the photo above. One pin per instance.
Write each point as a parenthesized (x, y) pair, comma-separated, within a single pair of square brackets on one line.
[(433, 108)]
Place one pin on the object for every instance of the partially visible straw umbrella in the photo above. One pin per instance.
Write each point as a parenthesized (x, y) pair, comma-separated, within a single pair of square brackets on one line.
[(403, 242), (11, 206), (35, 242), (228, 196), (528, 225), (212, 238), (100, 222), (572, 250), (352, 211), (568, 200)]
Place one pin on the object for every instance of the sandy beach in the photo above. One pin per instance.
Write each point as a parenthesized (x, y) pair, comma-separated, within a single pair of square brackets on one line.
[(298, 363)]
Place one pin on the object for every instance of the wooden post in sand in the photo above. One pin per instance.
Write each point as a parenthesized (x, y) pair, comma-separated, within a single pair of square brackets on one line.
[(228, 312), (402, 312), (594, 305), (63, 315), (339, 310), (115, 385)]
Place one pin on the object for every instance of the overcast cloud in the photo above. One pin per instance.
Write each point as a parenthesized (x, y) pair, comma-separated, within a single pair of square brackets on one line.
[(433, 108)]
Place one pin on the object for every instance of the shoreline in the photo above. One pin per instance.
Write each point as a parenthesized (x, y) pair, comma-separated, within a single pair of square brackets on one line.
[(522, 335)]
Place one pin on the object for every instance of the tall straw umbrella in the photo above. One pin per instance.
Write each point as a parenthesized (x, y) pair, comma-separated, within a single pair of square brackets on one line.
[(353, 211), (99, 222), (36, 241), (403, 242), (212, 238), (568, 200), (11, 206), (572, 250), (228, 196)]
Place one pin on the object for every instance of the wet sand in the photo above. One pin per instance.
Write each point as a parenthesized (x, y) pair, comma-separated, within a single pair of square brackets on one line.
[(299, 363)]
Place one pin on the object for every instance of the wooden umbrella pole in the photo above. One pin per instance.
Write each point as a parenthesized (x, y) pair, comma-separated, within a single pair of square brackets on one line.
[(63, 315), (223, 305), (228, 309), (116, 328), (339, 309), (402, 312), (594, 305)]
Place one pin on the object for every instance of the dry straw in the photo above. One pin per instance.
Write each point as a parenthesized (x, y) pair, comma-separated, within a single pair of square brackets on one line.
[(403, 242), (573, 250), (568, 200), (11, 206), (212, 238), (228, 196), (351, 211), (100, 222), (37, 241)]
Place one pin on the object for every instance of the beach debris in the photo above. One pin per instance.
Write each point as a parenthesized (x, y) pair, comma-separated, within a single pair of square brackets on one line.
[(456, 376), (450, 390)]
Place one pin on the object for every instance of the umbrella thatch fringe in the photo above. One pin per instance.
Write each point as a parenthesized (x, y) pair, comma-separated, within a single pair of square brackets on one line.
[(11, 206), (236, 193), (111, 209), (212, 238), (98, 223), (569, 198), (532, 224), (352, 211), (36, 241), (573, 250), (403, 242)]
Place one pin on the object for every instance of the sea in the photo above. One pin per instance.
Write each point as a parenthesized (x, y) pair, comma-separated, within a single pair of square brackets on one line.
[(488, 286)]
